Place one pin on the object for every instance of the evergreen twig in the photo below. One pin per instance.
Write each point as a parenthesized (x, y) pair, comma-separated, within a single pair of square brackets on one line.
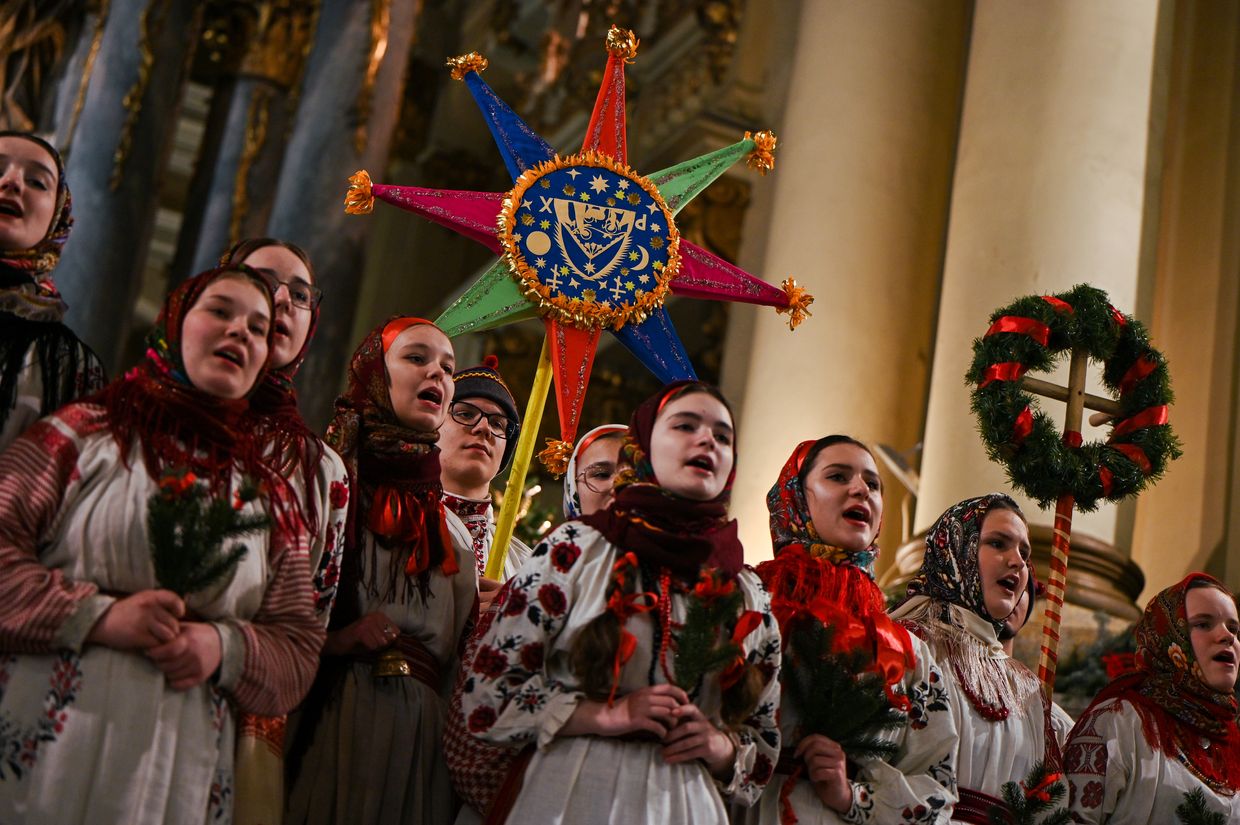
[(1194, 810), (187, 530), (836, 695), (1037, 796)]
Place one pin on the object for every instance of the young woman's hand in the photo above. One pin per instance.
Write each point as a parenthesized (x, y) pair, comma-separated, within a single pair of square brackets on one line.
[(189, 660), (826, 767), (649, 710), (142, 620), (374, 631), (488, 589), (696, 737)]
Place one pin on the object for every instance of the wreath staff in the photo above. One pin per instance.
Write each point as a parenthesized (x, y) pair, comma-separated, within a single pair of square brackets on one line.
[(1032, 333)]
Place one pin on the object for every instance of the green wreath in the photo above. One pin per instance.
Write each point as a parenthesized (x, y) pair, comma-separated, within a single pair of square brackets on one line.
[(1034, 332)]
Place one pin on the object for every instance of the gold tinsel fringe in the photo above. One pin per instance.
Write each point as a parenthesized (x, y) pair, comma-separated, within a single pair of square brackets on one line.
[(359, 200), (799, 300), (463, 64), (622, 43), (556, 455), (762, 157)]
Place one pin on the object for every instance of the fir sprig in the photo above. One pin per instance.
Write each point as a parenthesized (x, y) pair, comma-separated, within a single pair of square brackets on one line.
[(837, 695), (1194, 810), (702, 646), (1036, 797), (188, 528)]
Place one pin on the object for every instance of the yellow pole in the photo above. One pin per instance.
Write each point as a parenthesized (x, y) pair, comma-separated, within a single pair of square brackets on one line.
[(520, 465)]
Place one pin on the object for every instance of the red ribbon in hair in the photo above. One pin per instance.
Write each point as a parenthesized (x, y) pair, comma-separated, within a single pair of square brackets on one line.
[(1023, 426), (1060, 306), (1004, 371), (1140, 370), (1036, 330), (1149, 417)]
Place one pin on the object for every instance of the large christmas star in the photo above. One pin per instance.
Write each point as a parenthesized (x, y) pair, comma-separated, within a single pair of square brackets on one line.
[(584, 241)]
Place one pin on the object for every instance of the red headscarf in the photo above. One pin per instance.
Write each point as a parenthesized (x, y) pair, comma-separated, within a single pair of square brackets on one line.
[(397, 468), (807, 579), (657, 526), (1179, 712), (276, 417), (179, 425)]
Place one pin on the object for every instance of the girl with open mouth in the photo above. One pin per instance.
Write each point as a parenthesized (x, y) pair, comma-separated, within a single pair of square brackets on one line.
[(100, 660), (315, 473), (826, 511), (975, 570), (1167, 730), (365, 747), (589, 664), (43, 364)]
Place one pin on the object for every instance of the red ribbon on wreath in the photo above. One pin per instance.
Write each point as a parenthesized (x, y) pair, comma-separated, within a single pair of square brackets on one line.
[(1149, 417), (1006, 371), (1036, 330), (1139, 371)]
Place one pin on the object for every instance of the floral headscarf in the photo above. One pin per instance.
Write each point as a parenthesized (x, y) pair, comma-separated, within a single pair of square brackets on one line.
[(790, 520), (26, 286), (397, 468), (808, 578), (1180, 714), (949, 571), (946, 606), (667, 530), (572, 498)]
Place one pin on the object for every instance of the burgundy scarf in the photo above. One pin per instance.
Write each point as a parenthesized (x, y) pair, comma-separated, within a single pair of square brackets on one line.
[(660, 528)]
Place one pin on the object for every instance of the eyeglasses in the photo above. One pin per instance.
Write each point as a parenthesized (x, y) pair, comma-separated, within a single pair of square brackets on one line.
[(300, 293), (598, 477), (467, 415)]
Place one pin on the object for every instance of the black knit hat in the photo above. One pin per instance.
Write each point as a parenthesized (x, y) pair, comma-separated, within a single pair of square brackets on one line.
[(484, 381)]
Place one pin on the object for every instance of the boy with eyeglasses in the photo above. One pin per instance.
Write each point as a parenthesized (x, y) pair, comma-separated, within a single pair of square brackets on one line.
[(476, 443)]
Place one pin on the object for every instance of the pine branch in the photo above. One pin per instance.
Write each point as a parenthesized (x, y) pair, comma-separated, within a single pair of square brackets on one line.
[(188, 528), (699, 646), (1194, 810), (837, 696), (1037, 796)]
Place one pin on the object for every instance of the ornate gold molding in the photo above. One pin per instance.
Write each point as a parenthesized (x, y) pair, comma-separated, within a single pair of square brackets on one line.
[(280, 44), (380, 22), (151, 25), (255, 136), (88, 70)]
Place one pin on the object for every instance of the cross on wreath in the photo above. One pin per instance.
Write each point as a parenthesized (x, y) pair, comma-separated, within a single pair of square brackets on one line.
[(1047, 465)]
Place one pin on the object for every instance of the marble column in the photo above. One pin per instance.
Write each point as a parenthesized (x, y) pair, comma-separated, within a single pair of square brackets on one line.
[(859, 199), (1190, 520), (231, 194), (1056, 183), (345, 121), (120, 141)]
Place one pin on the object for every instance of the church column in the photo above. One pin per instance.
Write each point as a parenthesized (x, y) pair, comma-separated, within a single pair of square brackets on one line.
[(1191, 520), (120, 140), (231, 194), (859, 198), (1055, 184), (353, 86)]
